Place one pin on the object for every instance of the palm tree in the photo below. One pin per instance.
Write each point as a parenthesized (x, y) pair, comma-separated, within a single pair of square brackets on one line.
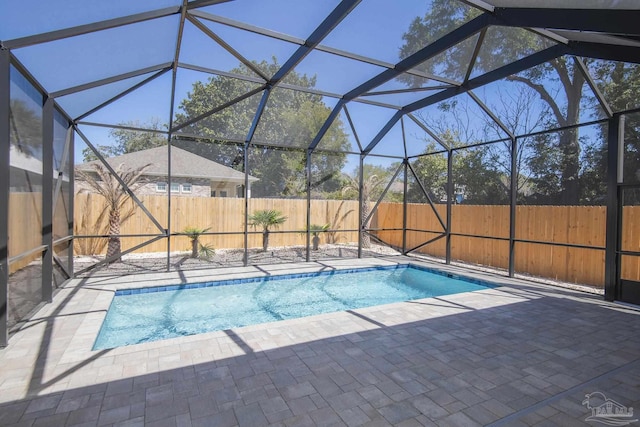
[(197, 248), (102, 182), (265, 219), (315, 230), (370, 183)]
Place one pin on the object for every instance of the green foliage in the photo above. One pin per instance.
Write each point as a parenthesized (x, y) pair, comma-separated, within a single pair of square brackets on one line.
[(620, 85), (129, 141), (206, 251), (504, 45), (336, 221), (197, 248), (25, 128), (375, 178), (475, 176), (593, 182), (547, 159), (501, 45), (99, 180), (444, 16), (194, 233), (290, 121), (266, 219), (432, 173), (316, 229)]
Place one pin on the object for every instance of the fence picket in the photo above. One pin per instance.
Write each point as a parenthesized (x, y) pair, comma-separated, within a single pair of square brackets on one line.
[(582, 225)]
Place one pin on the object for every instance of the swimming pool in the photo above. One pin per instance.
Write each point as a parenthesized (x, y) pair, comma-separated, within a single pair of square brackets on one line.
[(151, 314)]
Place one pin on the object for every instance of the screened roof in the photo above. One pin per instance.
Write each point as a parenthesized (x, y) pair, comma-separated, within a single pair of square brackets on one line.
[(375, 65)]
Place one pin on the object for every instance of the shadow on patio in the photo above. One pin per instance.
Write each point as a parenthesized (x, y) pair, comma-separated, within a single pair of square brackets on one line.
[(527, 361)]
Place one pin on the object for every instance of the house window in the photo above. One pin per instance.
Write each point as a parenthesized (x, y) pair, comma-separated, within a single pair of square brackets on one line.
[(175, 187), (213, 193), (223, 193), (186, 187), (161, 187)]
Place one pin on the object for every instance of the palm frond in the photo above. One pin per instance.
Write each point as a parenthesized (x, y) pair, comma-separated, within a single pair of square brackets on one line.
[(194, 232), (266, 218), (103, 182)]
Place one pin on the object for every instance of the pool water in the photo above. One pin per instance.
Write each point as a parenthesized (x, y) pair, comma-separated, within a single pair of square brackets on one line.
[(143, 315)]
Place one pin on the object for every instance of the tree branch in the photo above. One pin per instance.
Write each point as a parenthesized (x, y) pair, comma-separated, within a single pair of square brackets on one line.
[(563, 73), (546, 97)]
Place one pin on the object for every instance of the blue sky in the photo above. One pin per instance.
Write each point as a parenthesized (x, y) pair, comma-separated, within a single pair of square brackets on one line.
[(373, 29)]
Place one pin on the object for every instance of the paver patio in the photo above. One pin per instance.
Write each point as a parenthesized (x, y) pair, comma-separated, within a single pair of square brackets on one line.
[(517, 354)]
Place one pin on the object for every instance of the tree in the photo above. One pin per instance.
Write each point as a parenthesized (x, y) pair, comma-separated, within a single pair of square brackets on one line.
[(620, 86), (266, 219), (130, 141), (372, 186), (502, 45), (546, 185), (478, 179), (315, 230), (431, 170), (102, 182), (476, 172), (290, 121), (197, 248), (25, 129), (515, 110), (593, 176)]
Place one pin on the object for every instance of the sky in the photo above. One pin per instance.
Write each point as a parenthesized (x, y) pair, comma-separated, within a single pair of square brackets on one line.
[(373, 29), (73, 61)]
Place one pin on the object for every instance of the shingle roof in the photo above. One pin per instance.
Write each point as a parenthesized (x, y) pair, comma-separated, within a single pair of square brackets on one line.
[(184, 164)]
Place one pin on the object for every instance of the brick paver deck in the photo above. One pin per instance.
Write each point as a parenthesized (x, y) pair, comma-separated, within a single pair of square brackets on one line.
[(520, 354)]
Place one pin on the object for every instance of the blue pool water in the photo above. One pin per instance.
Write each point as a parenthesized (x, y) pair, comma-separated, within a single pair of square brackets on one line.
[(142, 315)]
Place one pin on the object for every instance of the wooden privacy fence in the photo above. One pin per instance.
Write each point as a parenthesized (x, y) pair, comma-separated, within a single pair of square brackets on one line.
[(218, 215), (580, 225), (577, 225), (25, 227)]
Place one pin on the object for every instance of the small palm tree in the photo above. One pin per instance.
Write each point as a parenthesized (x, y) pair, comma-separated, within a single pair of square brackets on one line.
[(102, 182), (265, 219), (197, 248), (315, 230)]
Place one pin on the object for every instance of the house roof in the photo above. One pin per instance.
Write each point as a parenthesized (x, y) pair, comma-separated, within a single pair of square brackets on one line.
[(184, 164)]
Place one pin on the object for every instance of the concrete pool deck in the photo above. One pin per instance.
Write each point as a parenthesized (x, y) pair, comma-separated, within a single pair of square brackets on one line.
[(518, 354)]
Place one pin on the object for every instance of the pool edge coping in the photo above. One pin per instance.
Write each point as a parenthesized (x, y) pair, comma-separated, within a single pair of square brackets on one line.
[(272, 277)]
